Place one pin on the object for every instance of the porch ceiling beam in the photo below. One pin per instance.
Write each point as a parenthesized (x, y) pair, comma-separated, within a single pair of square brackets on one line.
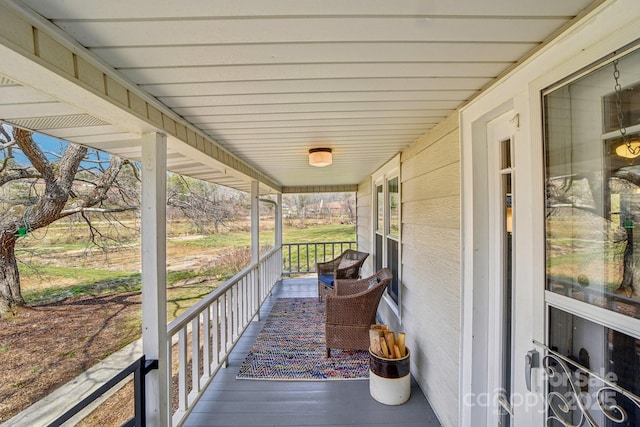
[(319, 189), (38, 54)]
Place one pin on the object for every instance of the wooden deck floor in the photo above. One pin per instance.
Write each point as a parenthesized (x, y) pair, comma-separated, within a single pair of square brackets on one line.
[(229, 402)]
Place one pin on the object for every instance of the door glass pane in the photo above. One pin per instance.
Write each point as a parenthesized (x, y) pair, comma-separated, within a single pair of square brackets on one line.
[(505, 148), (593, 188), (590, 354), (394, 200), (507, 292)]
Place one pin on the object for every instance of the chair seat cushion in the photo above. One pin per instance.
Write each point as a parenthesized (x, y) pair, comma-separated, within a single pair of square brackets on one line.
[(327, 279), (372, 282)]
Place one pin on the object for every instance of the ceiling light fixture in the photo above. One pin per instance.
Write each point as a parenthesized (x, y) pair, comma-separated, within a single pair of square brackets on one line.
[(320, 157), (629, 149)]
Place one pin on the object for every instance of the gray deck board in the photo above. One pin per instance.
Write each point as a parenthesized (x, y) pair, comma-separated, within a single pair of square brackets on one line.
[(229, 402)]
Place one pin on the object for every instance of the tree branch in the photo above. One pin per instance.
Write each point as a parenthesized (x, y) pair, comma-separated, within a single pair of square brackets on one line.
[(80, 209), (33, 153), (18, 174)]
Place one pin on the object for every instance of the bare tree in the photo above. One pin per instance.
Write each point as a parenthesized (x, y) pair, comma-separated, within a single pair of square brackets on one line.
[(203, 203), (348, 204), (572, 197), (300, 202), (47, 188)]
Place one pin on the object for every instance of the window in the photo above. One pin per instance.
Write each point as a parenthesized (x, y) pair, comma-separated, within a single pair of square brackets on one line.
[(393, 235), (388, 223), (380, 226), (393, 201), (592, 154), (593, 191)]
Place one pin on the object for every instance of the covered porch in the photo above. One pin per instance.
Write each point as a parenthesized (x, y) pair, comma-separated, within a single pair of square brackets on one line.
[(228, 401), (420, 103)]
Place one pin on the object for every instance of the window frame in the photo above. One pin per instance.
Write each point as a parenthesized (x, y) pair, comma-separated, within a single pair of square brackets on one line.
[(382, 177)]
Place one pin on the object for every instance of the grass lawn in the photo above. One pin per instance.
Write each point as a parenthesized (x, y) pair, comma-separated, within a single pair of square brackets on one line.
[(83, 303)]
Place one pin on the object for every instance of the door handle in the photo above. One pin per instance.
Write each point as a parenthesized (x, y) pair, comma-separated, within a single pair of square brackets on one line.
[(531, 360)]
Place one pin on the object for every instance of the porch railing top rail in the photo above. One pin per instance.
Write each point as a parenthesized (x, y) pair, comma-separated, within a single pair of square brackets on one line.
[(226, 307), (302, 258), (138, 368), (179, 322), (201, 339)]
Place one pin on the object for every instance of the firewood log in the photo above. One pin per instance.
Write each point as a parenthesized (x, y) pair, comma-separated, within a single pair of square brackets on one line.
[(391, 341), (385, 349), (401, 344), (374, 340)]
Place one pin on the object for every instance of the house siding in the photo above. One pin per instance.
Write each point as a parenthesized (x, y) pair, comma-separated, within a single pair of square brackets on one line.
[(430, 278)]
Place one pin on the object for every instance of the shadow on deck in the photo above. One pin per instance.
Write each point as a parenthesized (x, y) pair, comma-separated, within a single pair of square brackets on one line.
[(229, 402)]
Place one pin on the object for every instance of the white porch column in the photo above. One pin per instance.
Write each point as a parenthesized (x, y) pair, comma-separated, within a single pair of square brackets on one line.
[(278, 225), (154, 290), (255, 222), (255, 243)]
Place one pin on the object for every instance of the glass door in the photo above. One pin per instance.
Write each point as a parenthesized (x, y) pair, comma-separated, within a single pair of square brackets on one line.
[(591, 354)]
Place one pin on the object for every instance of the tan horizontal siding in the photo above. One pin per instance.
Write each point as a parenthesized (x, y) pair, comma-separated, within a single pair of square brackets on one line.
[(430, 175)]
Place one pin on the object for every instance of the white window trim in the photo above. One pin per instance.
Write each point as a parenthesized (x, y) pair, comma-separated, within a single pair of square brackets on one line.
[(382, 176)]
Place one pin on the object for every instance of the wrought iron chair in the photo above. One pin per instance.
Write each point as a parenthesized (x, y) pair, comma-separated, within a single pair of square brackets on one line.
[(345, 266), (352, 310)]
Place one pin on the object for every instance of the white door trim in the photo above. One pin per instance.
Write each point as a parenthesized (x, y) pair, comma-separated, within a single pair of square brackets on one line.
[(499, 129)]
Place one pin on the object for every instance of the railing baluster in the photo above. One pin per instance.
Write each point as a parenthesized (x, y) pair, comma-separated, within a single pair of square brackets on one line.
[(221, 318), (216, 332), (230, 314), (242, 303), (308, 255), (195, 355), (182, 369), (223, 323), (206, 342), (236, 311)]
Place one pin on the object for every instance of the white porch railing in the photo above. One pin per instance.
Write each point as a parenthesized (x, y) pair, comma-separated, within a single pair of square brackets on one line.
[(219, 320)]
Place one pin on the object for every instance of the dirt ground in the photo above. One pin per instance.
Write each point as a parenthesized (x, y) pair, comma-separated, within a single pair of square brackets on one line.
[(45, 346)]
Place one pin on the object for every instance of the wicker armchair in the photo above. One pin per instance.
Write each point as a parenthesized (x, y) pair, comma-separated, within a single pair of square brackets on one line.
[(353, 310), (346, 266)]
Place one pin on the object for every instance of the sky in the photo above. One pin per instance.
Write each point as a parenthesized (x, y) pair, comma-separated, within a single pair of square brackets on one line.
[(52, 146)]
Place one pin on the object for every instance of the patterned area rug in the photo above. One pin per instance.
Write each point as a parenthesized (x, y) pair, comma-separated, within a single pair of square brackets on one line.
[(291, 346)]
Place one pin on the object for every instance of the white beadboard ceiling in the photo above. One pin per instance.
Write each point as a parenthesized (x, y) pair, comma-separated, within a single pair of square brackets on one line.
[(268, 80)]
